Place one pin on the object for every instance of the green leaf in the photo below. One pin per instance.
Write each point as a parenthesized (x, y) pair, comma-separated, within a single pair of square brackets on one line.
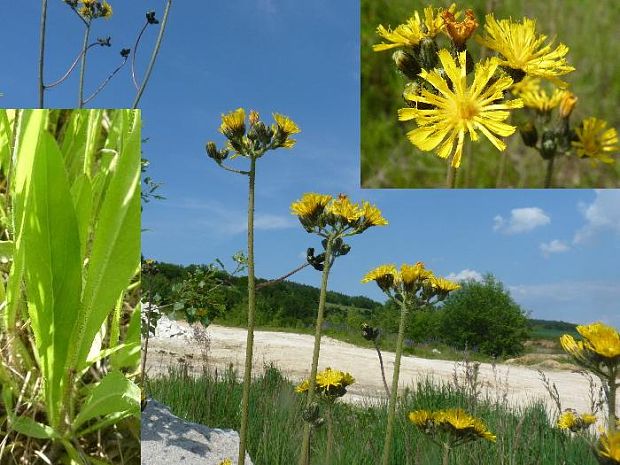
[(28, 427), (113, 395), (51, 247), (6, 250), (115, 252), (82, 192)]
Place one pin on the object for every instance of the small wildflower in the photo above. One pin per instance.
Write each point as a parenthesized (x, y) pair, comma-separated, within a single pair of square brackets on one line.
[(540, 100), (609, 448), (412, 276), (311, 205), (601, 339), (571, 420), (344, 209), (372, 215), (567, 104), (226, 462), (457, 108), (407, 34), (105, 10), (459, 32), (596, 141), (523, 50), (283, 129), (233, 124), (329, 382)]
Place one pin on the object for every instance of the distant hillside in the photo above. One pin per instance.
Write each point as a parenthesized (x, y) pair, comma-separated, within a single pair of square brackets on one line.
[(288, 304)]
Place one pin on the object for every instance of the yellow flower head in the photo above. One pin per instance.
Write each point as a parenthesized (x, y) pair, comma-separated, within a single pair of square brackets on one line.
[(330, 378), (342, 207), (412, 275), (571, 420), (568, 420), (457, 108), (226, 462), (525, 85), (572, 347), (233, 124), (541, 101), (106, 10), (421, 418), (463, 425), (609, 447), (596, 141), (459, 32), (523, 50), (386, 276), (434, 21), (408, 34), (285, 127), (372, 215), (442, 285), (601, 339), (567, 104), (311, 205), (302, 387)]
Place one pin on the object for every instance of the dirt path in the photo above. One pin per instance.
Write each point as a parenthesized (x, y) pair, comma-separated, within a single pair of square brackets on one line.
[(292, 353)]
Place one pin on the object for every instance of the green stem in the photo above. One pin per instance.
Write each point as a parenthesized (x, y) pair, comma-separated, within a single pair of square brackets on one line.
[(389, 431), (446, 454), (549, 173), (149, 68), (502, 168), (249, 345), (83, 66), (451, 177), (304, 457), (42, 51), (385, 384)]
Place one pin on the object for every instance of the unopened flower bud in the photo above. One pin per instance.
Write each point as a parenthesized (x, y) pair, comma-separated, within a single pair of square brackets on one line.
[(548, 145), (428, 53), (125, 52), (567, 104), (529, 134), (254, 117), (517, 75), (407, 64), (150, 17)]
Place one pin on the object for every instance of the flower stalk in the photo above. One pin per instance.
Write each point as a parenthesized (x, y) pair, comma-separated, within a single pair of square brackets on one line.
[(42, 52)]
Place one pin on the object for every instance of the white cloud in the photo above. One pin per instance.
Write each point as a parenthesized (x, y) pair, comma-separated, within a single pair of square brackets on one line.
[(603, 214), (466, 275), (555, 246), (521, 220)]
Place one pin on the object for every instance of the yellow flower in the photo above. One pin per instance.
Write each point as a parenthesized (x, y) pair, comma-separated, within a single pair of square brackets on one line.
[(233, 124), (567, 104), (523, 50), (540, 100), (286, 127), (421, 418), (311, 205), (408, 34), (106, 10), (596, 141), (442, 285), (567, 420), (226, 462), (412, 275), (372, 215), (434, 21), (386, 276), (525, 85), (344, 208), (463, 425), (459, 32), (329, 378), (302, 387), (572, 347), (457, 109), (601, 339), (609, 447)]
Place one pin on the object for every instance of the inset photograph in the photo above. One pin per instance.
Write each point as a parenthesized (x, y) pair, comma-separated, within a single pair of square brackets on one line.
[(70, 287), (489, 94)]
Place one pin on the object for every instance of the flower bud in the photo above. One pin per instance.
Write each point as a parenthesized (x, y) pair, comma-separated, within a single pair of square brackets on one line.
[(529, 134), (407, 64), (548, 145), (428, 53), (254, 117), (567, 104), (150, 17)]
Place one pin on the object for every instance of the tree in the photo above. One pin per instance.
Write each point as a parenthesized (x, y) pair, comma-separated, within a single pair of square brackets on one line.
[(483, 316)]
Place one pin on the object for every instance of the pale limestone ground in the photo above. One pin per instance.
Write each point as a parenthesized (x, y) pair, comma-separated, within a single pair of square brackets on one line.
[(292, 353)]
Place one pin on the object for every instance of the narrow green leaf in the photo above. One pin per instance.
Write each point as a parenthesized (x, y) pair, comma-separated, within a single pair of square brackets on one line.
[(82, 193), (28, 427), (53, 273), (113, 395), (115, 252)]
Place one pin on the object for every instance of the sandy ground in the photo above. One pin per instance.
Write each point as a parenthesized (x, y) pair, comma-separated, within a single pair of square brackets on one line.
[(292, 353)]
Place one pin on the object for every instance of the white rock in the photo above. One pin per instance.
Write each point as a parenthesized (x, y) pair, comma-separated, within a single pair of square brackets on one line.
[(169, 440)]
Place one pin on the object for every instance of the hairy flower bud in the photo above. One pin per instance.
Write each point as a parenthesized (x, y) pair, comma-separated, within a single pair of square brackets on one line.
[(548, 145), (428, 53), (406, 64), (529, 134)]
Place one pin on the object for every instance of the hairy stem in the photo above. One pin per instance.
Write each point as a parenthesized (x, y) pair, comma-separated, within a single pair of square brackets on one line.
[(249, 345), (389, 431), (83, 66), (149, 68), (281, 278), (42, 52), (105, 82), (611, 398), (330, 435), (451, 177), (446, 454), (549, 174), (385, 384), (304, 457)]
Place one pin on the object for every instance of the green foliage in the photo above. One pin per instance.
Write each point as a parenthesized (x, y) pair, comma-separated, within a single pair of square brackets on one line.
[(524, 436), (200, 296), (390, 160), (482, 316), (75, 235)]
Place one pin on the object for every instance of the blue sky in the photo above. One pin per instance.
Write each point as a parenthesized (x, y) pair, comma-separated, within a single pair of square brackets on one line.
[(557, 251)]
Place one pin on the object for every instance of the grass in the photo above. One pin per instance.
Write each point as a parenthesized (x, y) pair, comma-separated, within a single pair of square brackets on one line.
[(389, 160), (524, 436)]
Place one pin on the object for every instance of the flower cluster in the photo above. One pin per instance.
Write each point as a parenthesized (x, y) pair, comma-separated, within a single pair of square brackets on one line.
[(598, 351), (571, 420), (323, 214), (460, 426), (410, 280), (253, 139), (91, 9), (330, 383)]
